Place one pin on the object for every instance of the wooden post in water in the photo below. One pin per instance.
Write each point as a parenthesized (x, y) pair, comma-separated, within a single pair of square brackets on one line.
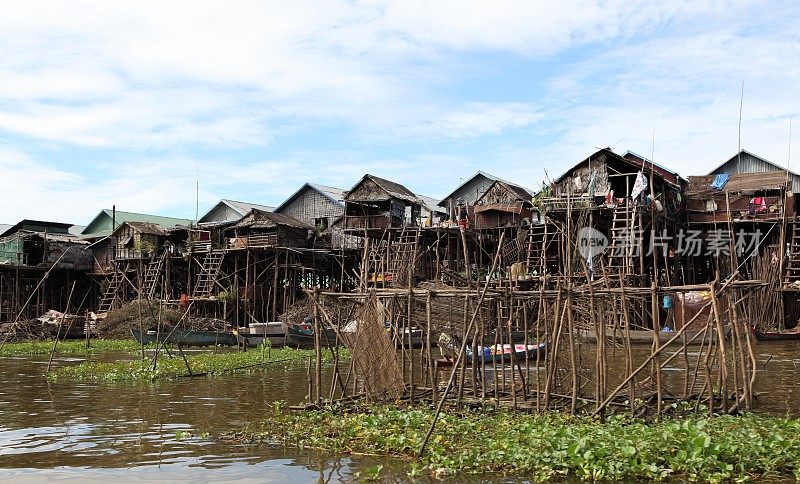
[(317, 349)]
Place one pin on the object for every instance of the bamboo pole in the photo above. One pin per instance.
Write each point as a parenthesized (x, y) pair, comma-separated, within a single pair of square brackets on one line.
[(459, 358)]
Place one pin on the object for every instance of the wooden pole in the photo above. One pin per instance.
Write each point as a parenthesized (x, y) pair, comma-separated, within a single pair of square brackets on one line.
[(460, 356)]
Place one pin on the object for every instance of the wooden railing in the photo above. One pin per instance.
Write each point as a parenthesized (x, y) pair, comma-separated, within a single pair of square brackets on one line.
[(367, 222), (268, 240), (200, 246)]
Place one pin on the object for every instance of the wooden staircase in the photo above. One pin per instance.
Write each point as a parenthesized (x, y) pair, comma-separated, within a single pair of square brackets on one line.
[(208, 275), (792, 275), (153, 276), (624, 236)]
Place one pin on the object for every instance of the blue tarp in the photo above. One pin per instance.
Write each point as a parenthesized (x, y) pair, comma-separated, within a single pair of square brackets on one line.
[(720, 181)]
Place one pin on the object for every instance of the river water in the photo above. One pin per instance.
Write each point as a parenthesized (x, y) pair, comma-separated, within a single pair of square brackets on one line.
[(168, 430), (81, 432)]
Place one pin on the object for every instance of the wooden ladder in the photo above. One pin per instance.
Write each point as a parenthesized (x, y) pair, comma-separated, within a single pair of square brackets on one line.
[(208, 274), (793, 266), (404, 255), (110, 294), (152, 277), (536, 251), (623, 237)]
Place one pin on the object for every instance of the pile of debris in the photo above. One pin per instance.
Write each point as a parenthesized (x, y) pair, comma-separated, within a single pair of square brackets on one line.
[(148, 315), (206, 324), (46, 326), (137, 314), (298, 312)]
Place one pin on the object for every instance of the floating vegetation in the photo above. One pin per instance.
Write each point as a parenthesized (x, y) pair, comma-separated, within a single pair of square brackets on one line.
[(551, 445), (69, 347), (171, 365)]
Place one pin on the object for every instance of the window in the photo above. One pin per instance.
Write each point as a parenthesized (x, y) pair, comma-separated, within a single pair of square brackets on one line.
[(321, 223)]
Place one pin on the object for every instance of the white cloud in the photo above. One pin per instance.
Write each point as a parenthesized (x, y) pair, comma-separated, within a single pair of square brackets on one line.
[(119, 71), (160, 84)]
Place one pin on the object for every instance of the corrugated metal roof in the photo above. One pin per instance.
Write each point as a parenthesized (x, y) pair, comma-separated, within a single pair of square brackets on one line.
[(243, 207), (120, 217), (746, 162), (336, 195), (239, 208), (35, 225), (431, 204)]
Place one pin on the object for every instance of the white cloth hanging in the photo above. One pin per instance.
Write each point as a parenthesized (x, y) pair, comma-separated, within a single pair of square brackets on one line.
[(639, 186)]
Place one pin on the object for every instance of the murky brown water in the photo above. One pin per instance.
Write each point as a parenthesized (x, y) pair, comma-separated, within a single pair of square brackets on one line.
[(82, 432), (99, 431)]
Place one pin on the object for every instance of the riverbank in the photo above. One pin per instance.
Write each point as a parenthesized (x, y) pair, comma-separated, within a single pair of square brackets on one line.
[(172, 364), (542, 447)]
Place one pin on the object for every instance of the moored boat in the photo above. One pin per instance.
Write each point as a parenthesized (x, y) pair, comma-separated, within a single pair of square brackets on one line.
[(184, 337), (645, 336), (500, 353), (775, 336), (302, 336)]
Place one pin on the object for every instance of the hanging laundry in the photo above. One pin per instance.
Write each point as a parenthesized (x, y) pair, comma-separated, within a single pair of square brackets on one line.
[(639, 186), (720, 181)]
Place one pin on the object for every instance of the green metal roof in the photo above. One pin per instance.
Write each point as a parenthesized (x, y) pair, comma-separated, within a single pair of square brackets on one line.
[(101, 225)]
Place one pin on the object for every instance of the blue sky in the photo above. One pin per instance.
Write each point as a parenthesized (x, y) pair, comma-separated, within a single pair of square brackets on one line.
[(123, 103)]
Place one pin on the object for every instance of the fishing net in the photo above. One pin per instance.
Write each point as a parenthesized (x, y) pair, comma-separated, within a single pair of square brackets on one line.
[(373, 353)]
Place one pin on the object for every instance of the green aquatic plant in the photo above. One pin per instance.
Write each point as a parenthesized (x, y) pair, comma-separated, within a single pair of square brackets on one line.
[(551, 445), (68, 348), (172, 365)]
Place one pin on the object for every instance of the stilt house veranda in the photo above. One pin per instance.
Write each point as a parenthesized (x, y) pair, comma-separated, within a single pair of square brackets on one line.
[(377, 203), (268, 229)]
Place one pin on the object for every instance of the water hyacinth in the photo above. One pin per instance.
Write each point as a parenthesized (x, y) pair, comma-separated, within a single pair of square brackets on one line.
[(551, 445), (172, 365), (68, 348)]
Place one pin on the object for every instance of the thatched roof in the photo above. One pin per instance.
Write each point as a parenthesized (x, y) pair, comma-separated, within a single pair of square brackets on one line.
[(390, 188), (700, 186), (260, 219), (144, 228)]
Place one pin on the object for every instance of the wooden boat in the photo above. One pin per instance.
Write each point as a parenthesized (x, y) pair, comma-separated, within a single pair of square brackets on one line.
[(257, 333), (500, 353), (302, 336), (253, 340), (417, 339), (516, 336), (645, 336), (186, 337), (775, 336)]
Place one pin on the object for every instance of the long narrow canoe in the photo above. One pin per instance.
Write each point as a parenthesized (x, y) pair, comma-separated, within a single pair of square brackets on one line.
[(645, 336), (302, 336), (775, 336), (500, 353), (186, 337)]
